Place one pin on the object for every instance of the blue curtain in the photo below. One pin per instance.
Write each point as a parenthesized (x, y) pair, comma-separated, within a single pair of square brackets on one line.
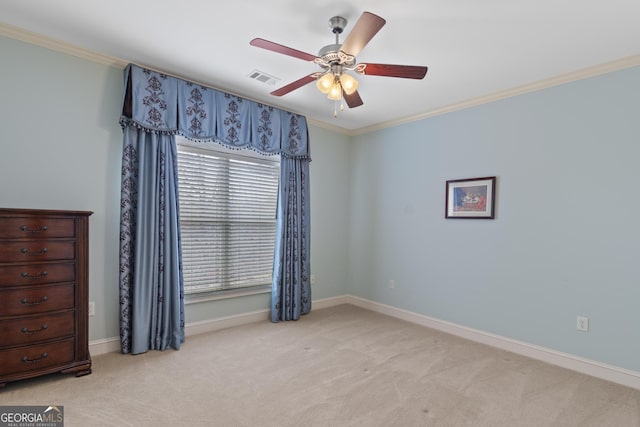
[(291, 289), (151, 283), (155, 108)]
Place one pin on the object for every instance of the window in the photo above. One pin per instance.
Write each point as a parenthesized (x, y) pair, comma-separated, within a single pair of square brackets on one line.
[(227, 217)]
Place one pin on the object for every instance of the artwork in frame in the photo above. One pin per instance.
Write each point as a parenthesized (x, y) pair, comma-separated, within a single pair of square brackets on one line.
[(471, 198)]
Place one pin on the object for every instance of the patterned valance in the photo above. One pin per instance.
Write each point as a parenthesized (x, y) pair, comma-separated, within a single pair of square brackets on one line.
[(158, 103)]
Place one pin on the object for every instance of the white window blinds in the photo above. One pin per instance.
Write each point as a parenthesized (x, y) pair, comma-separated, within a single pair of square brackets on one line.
[(227, 217)]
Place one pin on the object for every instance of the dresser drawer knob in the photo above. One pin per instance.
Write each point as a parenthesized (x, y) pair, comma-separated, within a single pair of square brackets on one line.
[(33, 230), (27, 302), (26, 330), (25, 359), (40, 252), (42, 274)]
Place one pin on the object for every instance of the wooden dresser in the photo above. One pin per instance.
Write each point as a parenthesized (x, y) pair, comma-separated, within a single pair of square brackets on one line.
[(44, 293)]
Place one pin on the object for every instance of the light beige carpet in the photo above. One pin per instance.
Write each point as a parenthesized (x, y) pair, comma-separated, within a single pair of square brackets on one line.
[(341, 366)]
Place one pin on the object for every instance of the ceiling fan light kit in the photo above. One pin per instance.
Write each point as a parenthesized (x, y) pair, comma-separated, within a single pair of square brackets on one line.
[(335, 59)]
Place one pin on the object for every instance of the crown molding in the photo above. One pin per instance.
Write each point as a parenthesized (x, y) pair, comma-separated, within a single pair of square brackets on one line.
[(59, 46), (66, 48), (594, 71), (620, 64), (332, 128)]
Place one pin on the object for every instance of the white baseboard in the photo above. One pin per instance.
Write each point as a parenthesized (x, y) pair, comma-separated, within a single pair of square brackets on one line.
[(252, 317), (112, 345), (331, 302), (590, 367), (105, 345), (210, 325)]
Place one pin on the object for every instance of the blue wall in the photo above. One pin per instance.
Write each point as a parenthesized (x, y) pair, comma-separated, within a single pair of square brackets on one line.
[(60, 146), (565, 241)]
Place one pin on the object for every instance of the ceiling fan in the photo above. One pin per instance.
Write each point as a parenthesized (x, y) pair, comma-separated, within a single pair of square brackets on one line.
[(336, 59)]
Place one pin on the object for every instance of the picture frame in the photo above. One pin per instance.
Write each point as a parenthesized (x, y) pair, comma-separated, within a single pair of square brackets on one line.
[(471, 198)]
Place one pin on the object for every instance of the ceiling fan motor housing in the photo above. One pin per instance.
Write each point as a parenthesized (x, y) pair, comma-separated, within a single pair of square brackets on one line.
[(329, 54)]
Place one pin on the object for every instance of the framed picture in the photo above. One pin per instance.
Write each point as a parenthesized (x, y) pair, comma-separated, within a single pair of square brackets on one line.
[(471, 198)]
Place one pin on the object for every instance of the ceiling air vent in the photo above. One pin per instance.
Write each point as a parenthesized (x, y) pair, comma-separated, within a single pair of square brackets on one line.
[(263, 77)]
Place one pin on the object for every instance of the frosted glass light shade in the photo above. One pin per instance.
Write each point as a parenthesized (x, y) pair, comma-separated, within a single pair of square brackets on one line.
[(335, 93), (349, 84), (325, 82)]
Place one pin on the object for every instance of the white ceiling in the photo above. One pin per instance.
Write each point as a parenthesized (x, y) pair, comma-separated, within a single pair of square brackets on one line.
[(472, 48)]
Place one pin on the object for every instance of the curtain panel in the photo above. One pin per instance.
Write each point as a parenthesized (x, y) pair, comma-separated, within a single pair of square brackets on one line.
[(151, 287), (291, 291), (155, 108)]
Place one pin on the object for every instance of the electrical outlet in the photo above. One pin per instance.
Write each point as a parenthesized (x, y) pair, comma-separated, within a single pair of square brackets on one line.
[(92, 308), (392, 284), (582, 324)]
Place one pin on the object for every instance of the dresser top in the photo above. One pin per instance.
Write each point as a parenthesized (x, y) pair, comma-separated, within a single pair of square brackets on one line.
[(41, 212)]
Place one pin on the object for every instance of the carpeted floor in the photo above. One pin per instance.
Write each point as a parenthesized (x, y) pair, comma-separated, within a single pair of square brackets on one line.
[(340, 366)]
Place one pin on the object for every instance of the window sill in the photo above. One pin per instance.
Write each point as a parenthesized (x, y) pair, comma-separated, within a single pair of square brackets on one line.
[(219, 295)]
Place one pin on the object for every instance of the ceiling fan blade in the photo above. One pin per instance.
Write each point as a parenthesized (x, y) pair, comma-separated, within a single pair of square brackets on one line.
[(295, 85), (275, 47), (353, 100), (366, 27), (388, 70)]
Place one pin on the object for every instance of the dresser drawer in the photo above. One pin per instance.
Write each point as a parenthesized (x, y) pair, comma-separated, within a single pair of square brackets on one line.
[(37, 250), (35, 274), (37, 299), (35, 357), (31, 329), (25, 227)]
